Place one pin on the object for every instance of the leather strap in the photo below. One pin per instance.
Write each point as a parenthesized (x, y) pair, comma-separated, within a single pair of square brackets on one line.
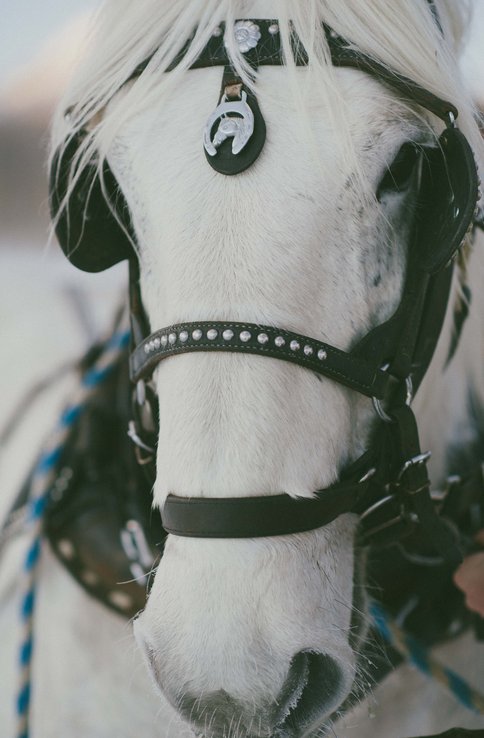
[(268, 52), (255, 517), (343, 55), (263, 340), (414, 486)]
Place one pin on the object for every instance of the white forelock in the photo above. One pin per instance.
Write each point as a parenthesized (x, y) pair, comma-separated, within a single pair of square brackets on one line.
[(402, 36)]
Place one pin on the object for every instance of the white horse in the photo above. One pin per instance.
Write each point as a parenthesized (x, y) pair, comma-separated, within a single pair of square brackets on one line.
[(299, 241)]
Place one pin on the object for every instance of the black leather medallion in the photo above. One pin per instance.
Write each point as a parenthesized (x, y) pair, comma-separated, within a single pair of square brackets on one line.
[(236, 113)]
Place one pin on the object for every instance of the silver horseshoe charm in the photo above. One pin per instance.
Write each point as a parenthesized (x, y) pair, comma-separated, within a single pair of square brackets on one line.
[(236, 121)]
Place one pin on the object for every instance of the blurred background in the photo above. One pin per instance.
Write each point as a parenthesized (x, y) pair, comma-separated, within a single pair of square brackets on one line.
[(48, 310), (40, 42)]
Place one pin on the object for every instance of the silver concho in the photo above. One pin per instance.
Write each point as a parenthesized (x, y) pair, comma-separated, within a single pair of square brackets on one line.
[(236, 121), (247, 35)]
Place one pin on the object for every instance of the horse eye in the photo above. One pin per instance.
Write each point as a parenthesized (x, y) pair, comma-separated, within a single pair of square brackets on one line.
[(399, 174)]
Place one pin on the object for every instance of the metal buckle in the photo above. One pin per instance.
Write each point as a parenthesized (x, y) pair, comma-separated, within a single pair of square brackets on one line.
[(414, 461), (377, 404), (369, 474), (403, 517)]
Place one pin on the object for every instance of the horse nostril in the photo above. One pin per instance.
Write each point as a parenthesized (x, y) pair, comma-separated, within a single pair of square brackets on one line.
[(314, 687)]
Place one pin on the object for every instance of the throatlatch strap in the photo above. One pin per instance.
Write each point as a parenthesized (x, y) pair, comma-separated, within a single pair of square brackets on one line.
[(263, 340)]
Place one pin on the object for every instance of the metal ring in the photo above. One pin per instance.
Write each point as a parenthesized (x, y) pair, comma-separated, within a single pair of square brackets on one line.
[(409, 388), (421, 458), (137, 440), (377, 404), (380, 411)]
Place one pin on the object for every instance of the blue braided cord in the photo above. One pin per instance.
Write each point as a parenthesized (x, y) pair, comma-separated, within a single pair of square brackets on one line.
[(418, 654), (96, 376), (70, 415), (26, 651), (23, 701), (37, 507), (32, 555), (118, 340), (49, 460), (460, 689), (46, 464), (28, 603), (381, 621)]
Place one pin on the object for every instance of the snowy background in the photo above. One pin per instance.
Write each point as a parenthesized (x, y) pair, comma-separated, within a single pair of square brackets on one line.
[(49, 312)]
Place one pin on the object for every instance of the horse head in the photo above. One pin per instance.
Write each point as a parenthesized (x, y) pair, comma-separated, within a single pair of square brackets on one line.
[(260, 636)]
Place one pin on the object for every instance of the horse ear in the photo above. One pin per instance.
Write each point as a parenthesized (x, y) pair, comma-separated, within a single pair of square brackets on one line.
[(448, 197), (93, 226)]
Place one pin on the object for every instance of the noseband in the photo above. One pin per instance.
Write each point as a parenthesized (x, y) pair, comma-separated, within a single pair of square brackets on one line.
[(388, 486)]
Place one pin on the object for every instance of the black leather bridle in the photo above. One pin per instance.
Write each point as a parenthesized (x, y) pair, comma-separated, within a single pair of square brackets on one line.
[(388, 486)]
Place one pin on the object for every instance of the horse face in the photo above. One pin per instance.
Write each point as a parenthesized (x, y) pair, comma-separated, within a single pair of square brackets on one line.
[(258, 637)]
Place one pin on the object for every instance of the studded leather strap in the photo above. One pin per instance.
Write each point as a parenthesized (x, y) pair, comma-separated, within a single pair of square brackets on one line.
[(268, 51), (249, 338)]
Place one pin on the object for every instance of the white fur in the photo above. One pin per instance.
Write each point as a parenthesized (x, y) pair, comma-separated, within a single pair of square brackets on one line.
[(296, 241)]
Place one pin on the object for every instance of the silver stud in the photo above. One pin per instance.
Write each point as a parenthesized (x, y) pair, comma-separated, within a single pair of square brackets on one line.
[(152, 345), (183, 336), (212, 334), (273, 29), (120, 599), (66, 548), (172, 339), (262, 338), (227, 335), (197, 334), (157, 343), (164, 340), (247, 35), (294, 346), (147, 348), (308, 350), (217, 32), (279, 341), (322, 355), (90, 578), (245, 336)]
